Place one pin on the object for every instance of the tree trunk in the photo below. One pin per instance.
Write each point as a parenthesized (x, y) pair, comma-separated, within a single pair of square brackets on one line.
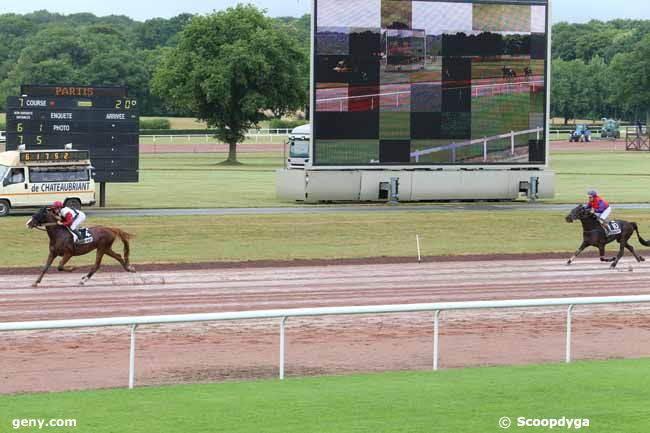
[(232, 153)]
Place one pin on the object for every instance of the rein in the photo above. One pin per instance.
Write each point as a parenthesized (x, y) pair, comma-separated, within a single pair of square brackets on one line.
[(40, 226)]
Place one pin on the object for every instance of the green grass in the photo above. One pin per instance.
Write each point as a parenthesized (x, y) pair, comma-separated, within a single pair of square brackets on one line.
[(316, 236), (613, 395), (620, 176), (197, 180)]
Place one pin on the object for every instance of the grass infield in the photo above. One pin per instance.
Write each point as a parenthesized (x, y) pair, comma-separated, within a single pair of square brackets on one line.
[(612, 395), (321, 236), (198, 180)]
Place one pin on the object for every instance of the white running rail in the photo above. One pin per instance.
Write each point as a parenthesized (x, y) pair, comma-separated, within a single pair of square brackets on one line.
[(284, 315), (485, 140)]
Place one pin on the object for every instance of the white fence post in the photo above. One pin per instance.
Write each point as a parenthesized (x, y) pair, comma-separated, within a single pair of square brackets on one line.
[(132, 358), (284, 314), (568, 333), (485, 152), (436, 338), (512, 143), (282, 323)]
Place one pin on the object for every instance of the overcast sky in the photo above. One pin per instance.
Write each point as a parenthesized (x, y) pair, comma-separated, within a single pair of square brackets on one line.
[(563, 10)]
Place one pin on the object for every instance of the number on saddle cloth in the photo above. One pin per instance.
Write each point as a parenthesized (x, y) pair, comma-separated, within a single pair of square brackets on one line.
[(614, 228), (85, 236)]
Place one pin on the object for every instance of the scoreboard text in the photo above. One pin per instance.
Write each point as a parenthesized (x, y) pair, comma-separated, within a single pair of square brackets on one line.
[(105, 126)]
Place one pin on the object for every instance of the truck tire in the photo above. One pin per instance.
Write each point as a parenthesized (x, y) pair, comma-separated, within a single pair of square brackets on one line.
[(5, 207), (73, 203)]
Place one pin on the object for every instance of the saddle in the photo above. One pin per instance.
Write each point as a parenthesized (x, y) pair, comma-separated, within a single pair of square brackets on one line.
[(84, 236)]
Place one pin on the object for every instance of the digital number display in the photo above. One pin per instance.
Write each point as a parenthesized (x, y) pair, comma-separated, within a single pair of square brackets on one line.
[(62, 156), (417, 83)]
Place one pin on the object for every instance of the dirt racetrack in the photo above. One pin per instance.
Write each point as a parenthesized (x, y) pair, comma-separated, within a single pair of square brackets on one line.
[(98, 358)]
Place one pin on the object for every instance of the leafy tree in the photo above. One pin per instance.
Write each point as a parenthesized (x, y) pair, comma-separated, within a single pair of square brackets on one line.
[(228, 68), (565, 88), (629, 79)]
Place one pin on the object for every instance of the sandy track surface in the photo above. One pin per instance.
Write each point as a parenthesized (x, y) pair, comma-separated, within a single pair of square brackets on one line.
[(594, 146), (94, 358)]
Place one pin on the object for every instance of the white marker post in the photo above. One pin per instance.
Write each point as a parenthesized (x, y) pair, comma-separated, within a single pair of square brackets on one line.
[(417, 241)]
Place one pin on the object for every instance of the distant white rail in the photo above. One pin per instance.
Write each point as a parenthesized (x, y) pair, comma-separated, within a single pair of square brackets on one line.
[(485, 140), (402, 96), (436, 308)]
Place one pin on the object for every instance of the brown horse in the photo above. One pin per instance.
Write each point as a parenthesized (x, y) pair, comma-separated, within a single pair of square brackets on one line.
[(593, 235), (62, 244)]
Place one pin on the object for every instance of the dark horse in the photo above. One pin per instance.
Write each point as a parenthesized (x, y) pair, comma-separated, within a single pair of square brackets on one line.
[(508, 73), (62, 244), (593, 235)]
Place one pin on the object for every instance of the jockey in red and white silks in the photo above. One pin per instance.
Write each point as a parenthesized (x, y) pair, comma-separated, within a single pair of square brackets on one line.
[(70, 218)]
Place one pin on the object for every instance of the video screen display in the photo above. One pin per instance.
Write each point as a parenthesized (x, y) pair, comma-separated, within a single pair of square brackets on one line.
[(402, 82)]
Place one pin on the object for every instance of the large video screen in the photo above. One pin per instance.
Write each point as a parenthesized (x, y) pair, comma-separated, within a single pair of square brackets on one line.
[(417, 83)]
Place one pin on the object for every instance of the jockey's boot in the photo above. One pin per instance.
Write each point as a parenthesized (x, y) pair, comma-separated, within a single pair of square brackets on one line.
[(604, 224), (78, 234)]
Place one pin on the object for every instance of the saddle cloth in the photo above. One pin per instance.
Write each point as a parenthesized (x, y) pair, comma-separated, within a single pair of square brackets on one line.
[(86, 236), (614, 228)]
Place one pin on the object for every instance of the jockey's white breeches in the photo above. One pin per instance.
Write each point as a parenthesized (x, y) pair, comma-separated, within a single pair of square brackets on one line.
[(78, 221), (605, 214)]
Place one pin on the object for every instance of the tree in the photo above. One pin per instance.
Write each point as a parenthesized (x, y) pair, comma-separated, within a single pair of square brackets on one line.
[(565, 88), (630, 79), (228, 68)]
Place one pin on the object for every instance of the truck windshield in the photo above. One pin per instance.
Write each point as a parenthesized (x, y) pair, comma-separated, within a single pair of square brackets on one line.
[(3, 171), (299, 149)]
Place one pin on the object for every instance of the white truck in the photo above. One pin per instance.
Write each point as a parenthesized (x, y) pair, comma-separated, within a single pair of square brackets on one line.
[(39, 178), (299, 147)]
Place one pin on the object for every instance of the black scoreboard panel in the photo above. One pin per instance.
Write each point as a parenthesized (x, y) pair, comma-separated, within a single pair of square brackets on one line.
[(106, 126)]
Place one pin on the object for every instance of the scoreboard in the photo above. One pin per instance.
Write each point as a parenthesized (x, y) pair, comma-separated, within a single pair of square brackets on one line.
[(101, 120)]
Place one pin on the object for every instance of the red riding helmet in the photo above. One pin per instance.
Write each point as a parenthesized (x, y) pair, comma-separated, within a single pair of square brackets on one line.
[(57, 205)]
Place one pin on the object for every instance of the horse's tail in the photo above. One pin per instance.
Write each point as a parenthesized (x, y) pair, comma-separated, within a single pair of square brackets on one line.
[(643, 241), (124, 236)]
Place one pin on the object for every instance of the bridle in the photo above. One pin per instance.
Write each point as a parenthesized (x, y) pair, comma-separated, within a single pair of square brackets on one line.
[(42, 226)]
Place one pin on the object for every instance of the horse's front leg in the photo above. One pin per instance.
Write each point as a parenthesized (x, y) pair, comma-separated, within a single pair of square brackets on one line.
[(604, 259), (578, 252), (50, 259), (618, 257), (62, 267)]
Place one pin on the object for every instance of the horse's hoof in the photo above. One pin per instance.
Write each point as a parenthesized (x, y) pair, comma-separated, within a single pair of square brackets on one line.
[(35, 285), (131, 269), (84, 280), (641, 259), (569, 263), (613, 266)]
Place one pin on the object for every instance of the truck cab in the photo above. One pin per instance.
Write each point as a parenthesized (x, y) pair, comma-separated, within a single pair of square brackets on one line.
[(30, 179), (299, 147)]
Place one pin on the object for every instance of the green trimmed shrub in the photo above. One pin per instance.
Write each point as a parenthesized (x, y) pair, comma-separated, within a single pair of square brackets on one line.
[(159, 124), (286, 124)]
